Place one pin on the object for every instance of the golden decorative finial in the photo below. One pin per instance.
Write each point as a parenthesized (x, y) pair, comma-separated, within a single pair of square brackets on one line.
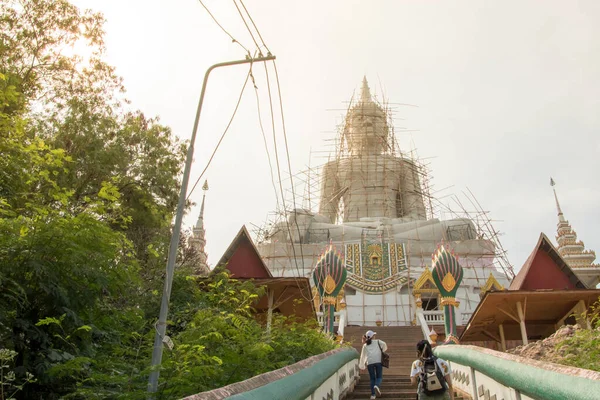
[(205, 186), (365, 92), (560, 213)]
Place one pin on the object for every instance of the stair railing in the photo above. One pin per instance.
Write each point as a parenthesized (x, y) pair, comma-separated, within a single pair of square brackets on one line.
[(422, 321), (486, 374), (331, 375)]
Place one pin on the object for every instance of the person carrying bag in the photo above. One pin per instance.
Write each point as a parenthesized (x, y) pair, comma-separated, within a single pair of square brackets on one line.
[(432, 375), (372, 357)]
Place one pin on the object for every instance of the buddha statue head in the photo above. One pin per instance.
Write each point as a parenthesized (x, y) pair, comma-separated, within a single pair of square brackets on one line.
[(366, 129)]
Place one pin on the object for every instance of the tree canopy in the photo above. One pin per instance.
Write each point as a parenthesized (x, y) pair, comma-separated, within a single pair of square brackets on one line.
[(88, 188)]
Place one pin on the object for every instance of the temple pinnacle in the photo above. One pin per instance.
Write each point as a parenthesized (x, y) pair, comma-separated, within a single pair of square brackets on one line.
[(200, 223), (365, 92), (198, 239), (560, 213)]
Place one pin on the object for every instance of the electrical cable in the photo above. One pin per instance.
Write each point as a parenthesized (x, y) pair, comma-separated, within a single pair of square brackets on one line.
[(233, 40), (260, 122), (255, 27), (287, 153), (262, 130), (225, 132), (247, 27), (279, 173)]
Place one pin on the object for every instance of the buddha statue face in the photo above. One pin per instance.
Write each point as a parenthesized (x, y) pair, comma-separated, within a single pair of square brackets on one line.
[(366, 130)]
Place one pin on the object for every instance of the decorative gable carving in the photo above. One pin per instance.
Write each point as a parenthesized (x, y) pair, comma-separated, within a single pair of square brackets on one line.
[(491, 284), (425, 283)]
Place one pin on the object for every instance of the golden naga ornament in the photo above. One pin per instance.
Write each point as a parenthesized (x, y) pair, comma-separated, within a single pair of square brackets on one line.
[(329, 284), (448, 282), (449, 301)]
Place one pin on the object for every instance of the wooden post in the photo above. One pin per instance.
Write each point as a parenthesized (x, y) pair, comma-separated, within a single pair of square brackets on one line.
[(581, 316), (270, 294), (502, 340), (522, 323)]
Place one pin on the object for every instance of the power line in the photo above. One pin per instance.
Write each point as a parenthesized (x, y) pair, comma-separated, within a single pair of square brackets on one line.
[(233, 40), (260, 122), (287, 153), (279, 176), (262, 130), (223, 135), (255, 27), (274, 137), (247, 27)]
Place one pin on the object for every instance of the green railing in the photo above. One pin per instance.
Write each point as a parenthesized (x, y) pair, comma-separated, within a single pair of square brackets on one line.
[(483, 373), (328, 375), (304, 383)]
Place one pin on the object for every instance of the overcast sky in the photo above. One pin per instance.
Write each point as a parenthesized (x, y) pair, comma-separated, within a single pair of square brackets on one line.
[(507, 95)]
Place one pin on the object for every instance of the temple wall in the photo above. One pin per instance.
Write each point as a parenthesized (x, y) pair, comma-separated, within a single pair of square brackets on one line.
[(396, 306)]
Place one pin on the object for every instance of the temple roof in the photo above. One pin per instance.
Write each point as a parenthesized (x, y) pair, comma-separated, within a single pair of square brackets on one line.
[(543, 309), (545, 269), (242, 258)]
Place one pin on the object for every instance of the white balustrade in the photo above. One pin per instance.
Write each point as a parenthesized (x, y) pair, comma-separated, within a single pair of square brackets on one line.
[(336, 318), (434, 317), (466, 317), (423, 324)]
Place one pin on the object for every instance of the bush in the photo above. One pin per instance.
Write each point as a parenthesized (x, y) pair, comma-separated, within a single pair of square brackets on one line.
[(582, 350)]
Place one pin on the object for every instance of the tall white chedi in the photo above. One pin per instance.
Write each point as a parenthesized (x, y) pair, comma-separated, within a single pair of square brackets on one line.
[(372, 209), (198, 240)]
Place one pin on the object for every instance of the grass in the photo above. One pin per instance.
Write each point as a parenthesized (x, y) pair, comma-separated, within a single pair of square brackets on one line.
[(582, 350)]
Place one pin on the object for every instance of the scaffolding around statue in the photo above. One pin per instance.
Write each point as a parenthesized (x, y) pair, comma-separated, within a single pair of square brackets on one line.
[(376, 204)]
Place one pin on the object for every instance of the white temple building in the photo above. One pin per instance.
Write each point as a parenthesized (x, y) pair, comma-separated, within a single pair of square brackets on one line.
[(376, 210)]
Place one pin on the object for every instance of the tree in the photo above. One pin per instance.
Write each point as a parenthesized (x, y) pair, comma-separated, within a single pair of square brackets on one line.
[(88, 188), (82, 201)]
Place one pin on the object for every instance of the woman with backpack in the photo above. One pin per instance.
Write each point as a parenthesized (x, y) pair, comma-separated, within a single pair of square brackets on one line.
[(432, 375), (370, 358)]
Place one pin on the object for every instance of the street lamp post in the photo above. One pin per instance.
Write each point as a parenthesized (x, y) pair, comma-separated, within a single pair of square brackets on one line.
[(161, 325)]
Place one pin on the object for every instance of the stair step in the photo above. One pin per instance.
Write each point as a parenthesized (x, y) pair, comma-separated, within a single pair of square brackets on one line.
[(401, 342)]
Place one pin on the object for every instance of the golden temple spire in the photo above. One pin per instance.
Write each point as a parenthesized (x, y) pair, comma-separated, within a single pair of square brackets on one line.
[(365, 92), (561, 217), (573, 251)]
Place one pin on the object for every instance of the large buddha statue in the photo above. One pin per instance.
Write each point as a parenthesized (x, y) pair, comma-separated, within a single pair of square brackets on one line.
[(372, 210), (368, 187), (370, 182)]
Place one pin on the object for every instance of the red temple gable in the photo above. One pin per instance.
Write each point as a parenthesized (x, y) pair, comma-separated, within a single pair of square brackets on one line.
[(545, 269), (242, 259)]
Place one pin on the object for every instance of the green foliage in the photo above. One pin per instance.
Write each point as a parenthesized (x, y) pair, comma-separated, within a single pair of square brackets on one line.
[(88, 188), (9, 386), (287, 349), (223, 343), (582, 350)]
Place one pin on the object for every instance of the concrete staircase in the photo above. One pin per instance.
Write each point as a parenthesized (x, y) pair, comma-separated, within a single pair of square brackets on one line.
[(401, 342)]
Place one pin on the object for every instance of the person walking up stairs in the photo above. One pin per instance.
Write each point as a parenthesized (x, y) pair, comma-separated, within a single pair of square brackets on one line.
[(371, 358), (401, 344)]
